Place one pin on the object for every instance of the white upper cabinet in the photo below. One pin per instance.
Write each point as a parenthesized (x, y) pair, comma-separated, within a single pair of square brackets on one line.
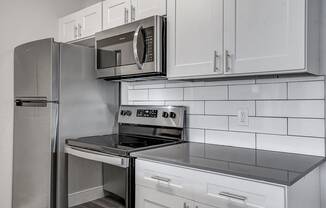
[(145, 8), (81, 24), (264, 35), (249, 37), (90, 20), (68, 29), (115, 13), (195, 37)]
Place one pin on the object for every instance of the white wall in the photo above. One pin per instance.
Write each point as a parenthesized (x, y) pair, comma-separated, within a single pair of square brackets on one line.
[(22, 21)]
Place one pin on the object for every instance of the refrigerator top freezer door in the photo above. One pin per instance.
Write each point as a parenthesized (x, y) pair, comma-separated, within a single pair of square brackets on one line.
[(36, 71)]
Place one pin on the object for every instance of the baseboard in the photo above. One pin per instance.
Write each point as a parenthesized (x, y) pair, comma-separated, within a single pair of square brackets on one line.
[(86, 195)]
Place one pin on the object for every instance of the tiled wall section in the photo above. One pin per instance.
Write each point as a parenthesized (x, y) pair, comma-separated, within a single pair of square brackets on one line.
[(285, 114)]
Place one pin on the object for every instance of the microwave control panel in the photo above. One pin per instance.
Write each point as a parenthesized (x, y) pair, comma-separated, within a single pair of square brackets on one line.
[(149, 44)]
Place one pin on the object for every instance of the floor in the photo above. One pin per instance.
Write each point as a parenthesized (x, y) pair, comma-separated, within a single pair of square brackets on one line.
[(101, 203)]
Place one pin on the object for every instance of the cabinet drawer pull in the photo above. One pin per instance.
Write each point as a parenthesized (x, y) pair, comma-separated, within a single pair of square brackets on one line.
[(75, 32), (216, 56), (227, 59), (166, 180), (233, 196), (79, 30), (133, 13), (126, 15)]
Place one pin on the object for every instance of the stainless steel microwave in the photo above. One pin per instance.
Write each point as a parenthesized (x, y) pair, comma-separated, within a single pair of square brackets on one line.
[(134, 50)]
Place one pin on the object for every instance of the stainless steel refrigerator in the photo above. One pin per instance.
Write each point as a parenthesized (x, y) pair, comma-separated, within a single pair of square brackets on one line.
[(57, 96)]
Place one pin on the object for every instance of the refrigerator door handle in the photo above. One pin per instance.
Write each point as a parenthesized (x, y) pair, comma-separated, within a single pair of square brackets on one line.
[(25, 102)]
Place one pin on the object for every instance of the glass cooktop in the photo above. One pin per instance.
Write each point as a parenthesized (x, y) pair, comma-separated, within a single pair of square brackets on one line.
[(118, 144)]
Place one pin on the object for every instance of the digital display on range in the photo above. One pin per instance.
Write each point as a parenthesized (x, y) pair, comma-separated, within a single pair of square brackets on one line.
[(147, 113)]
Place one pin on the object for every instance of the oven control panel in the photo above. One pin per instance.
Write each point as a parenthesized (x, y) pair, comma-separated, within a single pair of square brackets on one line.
[(166, 116)]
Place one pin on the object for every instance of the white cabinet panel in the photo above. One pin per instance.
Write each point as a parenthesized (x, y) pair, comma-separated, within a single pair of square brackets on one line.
[(115, 13), (198, 205), (264, 36), (149, 198), (195, 34), (81, 24), (90, 20), (147, 8), (68, 30)]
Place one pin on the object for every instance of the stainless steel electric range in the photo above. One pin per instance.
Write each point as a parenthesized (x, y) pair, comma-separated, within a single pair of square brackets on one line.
[(140, 128)]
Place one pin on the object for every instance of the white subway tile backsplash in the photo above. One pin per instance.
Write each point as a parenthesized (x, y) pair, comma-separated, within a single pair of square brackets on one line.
[(300, 145), (166, 94), (290, 79), (196, 135), (230, 82), (285, 114), (138, 95), (237, 139), (208, 122), (148, 103), (306, 90), (260, 125), (258, 92), (206, 93), (175, 84), (229, 107), (149, 85), (307, 127), (291, 108), (193, 107)]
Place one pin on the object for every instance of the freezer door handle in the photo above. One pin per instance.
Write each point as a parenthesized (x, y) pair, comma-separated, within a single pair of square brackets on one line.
[(22, 102)]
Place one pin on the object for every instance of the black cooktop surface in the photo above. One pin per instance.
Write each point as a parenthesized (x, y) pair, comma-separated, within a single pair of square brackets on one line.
[(275, 167), (118, 144)]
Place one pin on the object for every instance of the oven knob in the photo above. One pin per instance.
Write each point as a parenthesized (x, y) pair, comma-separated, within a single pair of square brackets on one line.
[(128, 113), (165, 114), (173, 114)]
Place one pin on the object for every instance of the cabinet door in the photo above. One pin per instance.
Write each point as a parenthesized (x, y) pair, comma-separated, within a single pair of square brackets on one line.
[(90, 20), (264, 36), (195, 36), (68, 28), (147, 8), (198, 205), (149, 198), (115, 13)]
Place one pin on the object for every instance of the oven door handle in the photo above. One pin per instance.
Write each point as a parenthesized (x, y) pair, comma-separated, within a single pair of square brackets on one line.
[(135, 47), (97, 156)]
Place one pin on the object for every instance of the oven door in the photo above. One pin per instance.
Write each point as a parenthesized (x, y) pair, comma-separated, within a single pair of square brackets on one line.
[(121, 162), (118, 174), (131, 50)]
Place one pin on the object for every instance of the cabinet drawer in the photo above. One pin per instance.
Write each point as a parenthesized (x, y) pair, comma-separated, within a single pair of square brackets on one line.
[(223, 190), (164, 178)]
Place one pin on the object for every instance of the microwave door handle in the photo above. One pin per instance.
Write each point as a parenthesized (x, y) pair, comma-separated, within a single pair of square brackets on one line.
[(135, 45)]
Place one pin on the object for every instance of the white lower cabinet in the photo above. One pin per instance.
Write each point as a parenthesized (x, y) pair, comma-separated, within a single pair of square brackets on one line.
[(150, 198), (169, 186)]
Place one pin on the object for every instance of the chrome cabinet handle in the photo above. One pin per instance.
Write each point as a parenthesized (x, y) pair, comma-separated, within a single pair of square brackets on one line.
[(233, 196), (227, 64), (166, 180), (216, 56), (133, 13), (135, 45), (79, 30), (126, 15), (75, 32)]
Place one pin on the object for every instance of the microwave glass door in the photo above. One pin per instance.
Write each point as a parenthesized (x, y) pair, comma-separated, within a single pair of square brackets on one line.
[(126, 49)]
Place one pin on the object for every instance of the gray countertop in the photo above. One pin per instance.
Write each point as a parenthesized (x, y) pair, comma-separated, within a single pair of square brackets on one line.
[(275, 167)]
